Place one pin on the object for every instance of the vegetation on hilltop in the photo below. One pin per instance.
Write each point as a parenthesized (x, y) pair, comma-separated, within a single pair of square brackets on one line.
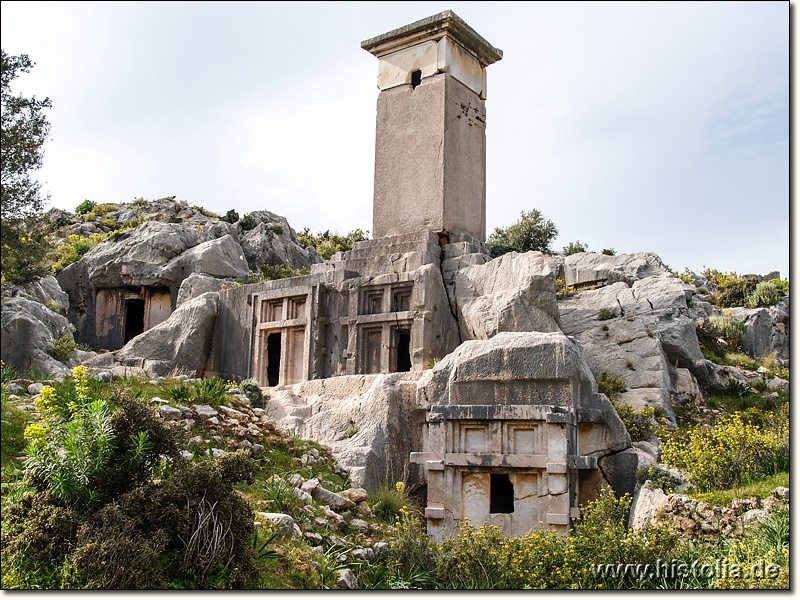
[(531, 232)]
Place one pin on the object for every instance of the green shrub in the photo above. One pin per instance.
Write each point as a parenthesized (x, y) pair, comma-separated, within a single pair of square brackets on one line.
[(210, 391), (640, 424), (609, 252), (24, 249), (252, 389), (231, 217), (575, 248), (737, 389), (72, 250), (765, 294), (277, 229), (63, 348), (607, 313), (280, 496), (388, 500), (68, 456), (328, 244), (732, 290), (729, 329), (610, 385), (84, 207), (531, 232), (659, 477), (271, 272), (563, 288), (247, 223), (178, 391)]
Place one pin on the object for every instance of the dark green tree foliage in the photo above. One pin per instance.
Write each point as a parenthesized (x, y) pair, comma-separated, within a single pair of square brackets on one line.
[(24, 131), (531, 232)]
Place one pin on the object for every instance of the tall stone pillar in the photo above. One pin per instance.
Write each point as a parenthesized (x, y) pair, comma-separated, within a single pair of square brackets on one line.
[(430, 148)]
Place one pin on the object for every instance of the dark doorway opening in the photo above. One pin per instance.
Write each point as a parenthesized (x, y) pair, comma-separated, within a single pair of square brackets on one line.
[(416, 79), (134, 319), (502, 494), (403, 351), (273, 359)]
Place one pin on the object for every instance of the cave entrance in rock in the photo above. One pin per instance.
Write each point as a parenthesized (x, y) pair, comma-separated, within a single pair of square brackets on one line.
[(134, 318), (273, 358)]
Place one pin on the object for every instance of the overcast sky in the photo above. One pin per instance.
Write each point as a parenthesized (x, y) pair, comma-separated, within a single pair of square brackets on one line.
[(645, 126)]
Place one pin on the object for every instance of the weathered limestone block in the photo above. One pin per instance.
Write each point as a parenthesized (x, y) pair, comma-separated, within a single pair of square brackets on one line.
[(263, 245), (588, 268), (197, 284), (648, 502), (182, 341), (652, 331), (221, 258), (284, 524), (137, 256), (29, 329), (619, 469), (45, 290), (515, 292), (332, 499), (766, 329), (369, 422)]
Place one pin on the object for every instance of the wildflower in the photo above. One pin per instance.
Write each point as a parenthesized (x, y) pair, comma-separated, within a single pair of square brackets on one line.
[(46, 399)]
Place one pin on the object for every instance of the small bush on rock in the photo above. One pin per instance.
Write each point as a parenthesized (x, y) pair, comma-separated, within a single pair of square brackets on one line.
[(765, 294), (729, 329), (610, 385), (606, 313), (659, 477), (252, 389), (231, 217), (531, 232), (85, 206), (247, 223), (575, 248), (63, 348)]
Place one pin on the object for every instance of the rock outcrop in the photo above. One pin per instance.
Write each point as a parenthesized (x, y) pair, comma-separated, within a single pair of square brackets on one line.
[(30, 322), (766, 329), (369, 422), (173, 243), (516, 292)]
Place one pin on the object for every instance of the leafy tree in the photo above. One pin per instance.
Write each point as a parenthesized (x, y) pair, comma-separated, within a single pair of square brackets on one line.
[(24, 131), (531, 232)]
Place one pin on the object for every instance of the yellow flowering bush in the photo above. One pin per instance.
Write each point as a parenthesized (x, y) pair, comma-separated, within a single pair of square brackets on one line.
[(75, 247), (735, 449)]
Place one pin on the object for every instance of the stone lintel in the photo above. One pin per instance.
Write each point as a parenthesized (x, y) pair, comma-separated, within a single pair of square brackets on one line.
[(500, 412), (516, 461), (550, 414), (435, 27)]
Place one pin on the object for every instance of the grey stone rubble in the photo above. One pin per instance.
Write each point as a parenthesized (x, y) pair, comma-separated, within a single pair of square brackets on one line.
[(697, 519)]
